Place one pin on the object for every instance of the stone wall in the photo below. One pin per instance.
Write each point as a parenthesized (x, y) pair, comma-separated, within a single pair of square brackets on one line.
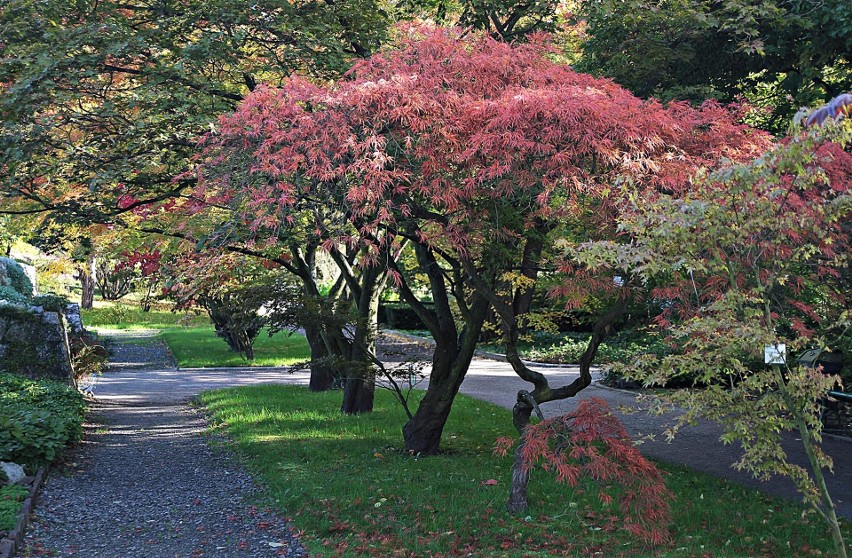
[(34, 343)]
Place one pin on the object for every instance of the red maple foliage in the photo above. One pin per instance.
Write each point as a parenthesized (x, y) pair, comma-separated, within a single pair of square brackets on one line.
[(591, 443), (444, 121)]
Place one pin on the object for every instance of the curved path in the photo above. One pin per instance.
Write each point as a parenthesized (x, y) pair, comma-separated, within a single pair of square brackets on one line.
[(146, 482)]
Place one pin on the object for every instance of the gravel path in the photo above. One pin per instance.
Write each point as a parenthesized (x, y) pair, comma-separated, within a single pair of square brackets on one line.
[(146, 482)]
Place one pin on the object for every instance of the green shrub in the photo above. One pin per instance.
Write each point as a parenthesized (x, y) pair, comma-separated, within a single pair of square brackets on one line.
[(37, 419), (11, 295), (622, 347), (11, 502), (17, 278), (399, 315), (51, 302)]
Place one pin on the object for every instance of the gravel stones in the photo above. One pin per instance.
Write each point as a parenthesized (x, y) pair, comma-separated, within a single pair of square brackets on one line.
[(147, 482)]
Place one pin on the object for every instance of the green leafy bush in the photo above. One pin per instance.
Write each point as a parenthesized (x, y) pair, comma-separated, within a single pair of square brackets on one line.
[(51, 302), (622, 347), (11, 295), (37, 419), (11, 502), (398, 315), (15, 277)]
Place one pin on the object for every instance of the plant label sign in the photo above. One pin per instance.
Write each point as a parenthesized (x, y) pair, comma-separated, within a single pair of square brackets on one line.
[(775, 354)]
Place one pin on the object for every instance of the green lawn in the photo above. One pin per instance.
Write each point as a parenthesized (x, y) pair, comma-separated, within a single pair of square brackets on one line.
[(119, 315), (192, 339), (353, 492), (199, 347)]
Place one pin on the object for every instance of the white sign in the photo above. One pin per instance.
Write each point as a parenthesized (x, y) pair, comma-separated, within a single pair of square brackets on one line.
[(775, 354)]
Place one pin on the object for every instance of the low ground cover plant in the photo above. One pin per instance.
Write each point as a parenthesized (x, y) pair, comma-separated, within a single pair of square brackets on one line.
[(567, 348), (352, 492), (11, 501), (37, 419)]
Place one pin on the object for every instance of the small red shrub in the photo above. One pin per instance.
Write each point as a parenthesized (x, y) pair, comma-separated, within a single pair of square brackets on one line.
[(591, 442)]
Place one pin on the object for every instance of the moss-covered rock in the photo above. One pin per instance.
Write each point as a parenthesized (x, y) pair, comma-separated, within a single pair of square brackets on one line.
[(34, 343)]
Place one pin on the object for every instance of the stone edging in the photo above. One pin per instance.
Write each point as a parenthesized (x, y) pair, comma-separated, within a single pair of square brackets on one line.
[(15, 538)]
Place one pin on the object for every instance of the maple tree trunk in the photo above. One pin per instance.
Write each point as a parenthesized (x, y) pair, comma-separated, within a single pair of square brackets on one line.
[(527, 402), (360, 387), (358, 394), (322, 373), (450, 362), (422, 434), (518, 501)]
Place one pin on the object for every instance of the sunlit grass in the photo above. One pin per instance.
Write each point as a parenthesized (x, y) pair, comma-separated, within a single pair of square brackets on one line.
[(124, 315), (348, 485), (200, 347), (192, 339)]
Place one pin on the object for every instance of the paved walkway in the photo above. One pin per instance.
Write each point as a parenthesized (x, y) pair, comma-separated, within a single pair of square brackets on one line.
[(146, 482)]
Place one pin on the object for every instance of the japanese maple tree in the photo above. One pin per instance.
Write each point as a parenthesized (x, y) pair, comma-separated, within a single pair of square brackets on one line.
[(231, 288), (473, 151), (591, 443), (755, 256)]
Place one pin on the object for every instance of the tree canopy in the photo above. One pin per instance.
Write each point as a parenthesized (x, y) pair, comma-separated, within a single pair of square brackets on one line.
[(780, 55), (103, 101), (473, 151)]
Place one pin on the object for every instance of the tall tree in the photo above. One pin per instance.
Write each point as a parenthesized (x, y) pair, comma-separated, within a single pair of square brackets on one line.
[(755, 264), (473, 151), (105, 99), (505, 20), (101, 102)]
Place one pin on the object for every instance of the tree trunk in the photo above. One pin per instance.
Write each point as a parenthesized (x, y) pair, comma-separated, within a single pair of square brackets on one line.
[(450, 362), (528, 402), (86, 274), (422, 434), (358, 394), (518, 501), (322, 373), (360, 387)]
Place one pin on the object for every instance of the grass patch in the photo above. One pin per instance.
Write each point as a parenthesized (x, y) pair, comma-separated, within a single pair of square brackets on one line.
[(199, 347), (11, 501), (117, 315), (191, 337), (348, 486)]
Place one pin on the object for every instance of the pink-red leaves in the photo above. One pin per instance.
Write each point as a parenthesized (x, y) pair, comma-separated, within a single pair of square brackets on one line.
[(445, 121), (591, 442)]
